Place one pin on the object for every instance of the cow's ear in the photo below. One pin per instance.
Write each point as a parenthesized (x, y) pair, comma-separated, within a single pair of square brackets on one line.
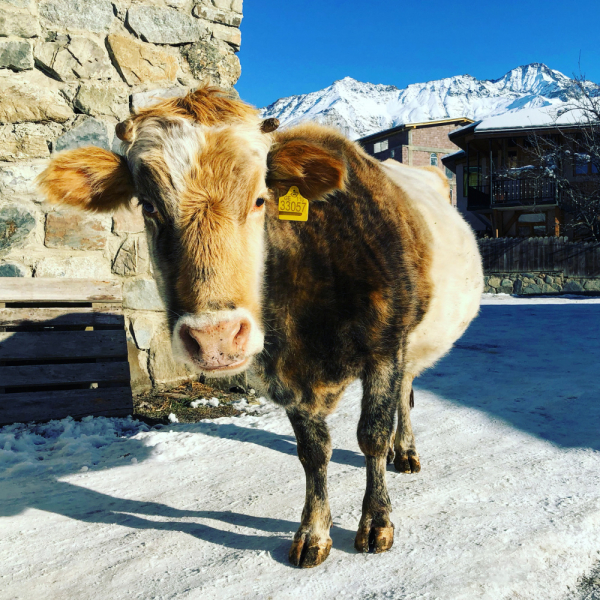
[(315, 170), (88, 178)]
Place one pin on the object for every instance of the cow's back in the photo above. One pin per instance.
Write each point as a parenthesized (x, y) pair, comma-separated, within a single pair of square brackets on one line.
[(455, 268)]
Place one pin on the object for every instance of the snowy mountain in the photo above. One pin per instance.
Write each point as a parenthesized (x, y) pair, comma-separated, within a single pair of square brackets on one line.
[(359, 109)]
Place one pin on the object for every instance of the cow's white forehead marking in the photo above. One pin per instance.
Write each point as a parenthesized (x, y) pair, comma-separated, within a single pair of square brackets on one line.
[(180, 141)]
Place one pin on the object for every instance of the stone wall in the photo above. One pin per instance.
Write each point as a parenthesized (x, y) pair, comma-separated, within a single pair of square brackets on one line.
[(69, 71), (539, 283)]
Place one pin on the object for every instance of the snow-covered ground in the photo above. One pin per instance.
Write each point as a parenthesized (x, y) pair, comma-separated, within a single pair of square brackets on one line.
[(507, 505)]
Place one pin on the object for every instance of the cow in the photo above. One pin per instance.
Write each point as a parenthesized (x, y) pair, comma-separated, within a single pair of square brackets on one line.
[(376, 284)]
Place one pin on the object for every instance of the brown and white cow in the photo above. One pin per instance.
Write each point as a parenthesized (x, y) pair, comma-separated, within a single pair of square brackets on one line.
[(377, 284)]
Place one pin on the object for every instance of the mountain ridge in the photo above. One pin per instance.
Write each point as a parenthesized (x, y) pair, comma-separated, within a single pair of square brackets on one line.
[(362, 108)]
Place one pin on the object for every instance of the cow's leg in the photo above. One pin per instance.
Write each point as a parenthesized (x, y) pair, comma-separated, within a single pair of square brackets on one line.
[(406, 459), (312, 543), (375, 428)]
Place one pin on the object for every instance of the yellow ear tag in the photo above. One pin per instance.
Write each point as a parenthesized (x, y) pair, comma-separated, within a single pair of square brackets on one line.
[(293, 206)]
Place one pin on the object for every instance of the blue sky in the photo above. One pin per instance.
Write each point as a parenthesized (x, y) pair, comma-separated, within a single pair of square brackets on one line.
[(299, 46)]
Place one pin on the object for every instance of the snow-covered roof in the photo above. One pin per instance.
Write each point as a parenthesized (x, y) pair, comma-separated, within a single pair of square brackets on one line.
[(528, 118)]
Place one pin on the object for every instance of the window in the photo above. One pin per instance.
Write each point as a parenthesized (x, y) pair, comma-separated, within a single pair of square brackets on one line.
[(584, 165), (380, 146), (449, 173), (471, 176), (433, 161)]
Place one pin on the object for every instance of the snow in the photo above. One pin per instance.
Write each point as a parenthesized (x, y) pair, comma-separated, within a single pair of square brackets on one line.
[(359, 109), (534, 117), (507, 505)]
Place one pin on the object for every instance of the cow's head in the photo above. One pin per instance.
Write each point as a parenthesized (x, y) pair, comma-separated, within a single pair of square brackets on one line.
[(203, 168)]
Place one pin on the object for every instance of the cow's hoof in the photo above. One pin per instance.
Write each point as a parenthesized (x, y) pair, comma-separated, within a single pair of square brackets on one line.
[(374, 539), (309, 551), (407, 463)]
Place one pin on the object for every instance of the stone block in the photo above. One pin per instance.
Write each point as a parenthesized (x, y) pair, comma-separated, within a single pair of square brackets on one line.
[(140, 63), (538, 280), (532, 289), (31, 97), (506, 283), (16, 55), (142, 294), (518, 286), (216, 15), (161, 25), (572, 286), (132, 258), (17, 3), (162, 365), (231, 35), (550, 289), (19, 179), (82, 58), (16, 223), (78, 267), (25, 140), (212, 62), (143, 331), (87, 132), (549, 279), (75, 229), (12, 269), (145, 99), (84, 15), (494, 281), (592, 285), (19, 23), (505, 289), (128, 219), (138, 368), (95, 98)]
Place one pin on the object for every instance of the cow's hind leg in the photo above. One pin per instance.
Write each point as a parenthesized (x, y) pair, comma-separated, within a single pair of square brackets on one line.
[(312, 543), (406, 459), (375, 428)]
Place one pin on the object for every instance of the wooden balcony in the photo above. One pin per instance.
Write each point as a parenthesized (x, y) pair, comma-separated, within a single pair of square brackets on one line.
[(512, 193)]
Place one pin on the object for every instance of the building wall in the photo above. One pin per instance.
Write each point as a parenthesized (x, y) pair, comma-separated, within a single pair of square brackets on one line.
[(415, 146), (70, 70)]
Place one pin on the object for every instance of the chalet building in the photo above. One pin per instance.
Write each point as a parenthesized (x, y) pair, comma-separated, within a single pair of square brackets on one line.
[(418, 144), (501, 189)]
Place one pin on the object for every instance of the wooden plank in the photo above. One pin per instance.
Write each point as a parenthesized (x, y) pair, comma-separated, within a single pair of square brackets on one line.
[(39, 289), (37, 375), (43, 406), (34, 345), (49, 317)]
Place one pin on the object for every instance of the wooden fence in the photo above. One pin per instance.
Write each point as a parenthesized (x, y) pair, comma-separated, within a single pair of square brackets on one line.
[(548, 254)]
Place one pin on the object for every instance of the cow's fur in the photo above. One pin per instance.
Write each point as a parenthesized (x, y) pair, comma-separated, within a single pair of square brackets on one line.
[(377, 284)]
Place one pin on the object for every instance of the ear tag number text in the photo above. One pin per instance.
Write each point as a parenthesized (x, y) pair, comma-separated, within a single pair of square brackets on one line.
[(293, 206)]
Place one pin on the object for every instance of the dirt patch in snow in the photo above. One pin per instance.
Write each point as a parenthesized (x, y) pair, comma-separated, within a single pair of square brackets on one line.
[(191, 402)]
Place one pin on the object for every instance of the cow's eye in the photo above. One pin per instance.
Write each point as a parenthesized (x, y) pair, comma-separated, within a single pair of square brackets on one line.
[(259, 201), (148, 207)]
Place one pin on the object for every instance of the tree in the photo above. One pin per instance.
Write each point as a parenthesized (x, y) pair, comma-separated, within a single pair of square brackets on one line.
[(571, 158)]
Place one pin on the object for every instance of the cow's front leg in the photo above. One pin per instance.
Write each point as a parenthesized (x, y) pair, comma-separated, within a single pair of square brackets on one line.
[(312, 543), (375, 428), (406, 459)]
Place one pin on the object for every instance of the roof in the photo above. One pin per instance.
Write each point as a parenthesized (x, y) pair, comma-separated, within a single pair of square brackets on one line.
[(525, 119), (404, 126)]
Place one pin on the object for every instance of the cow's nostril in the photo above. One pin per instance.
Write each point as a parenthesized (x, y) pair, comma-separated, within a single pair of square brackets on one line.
[(189, 341), (242, 334)]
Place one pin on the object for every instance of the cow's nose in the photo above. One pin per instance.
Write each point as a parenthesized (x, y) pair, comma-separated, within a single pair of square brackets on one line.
[(217, 345)]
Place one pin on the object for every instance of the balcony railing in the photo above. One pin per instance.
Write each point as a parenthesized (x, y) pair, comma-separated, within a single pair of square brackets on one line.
[(512, 192)]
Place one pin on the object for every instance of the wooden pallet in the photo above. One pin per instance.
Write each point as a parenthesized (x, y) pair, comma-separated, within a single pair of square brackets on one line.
[(63, 350)]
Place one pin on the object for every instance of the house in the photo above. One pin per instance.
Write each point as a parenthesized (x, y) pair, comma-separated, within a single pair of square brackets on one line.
[(418, 144), (502, 189)]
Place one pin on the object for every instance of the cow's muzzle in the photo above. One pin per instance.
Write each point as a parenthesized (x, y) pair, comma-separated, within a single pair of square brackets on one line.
[(220, 343)]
